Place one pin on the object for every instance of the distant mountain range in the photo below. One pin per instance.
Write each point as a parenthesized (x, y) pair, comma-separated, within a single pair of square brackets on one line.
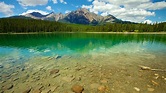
[(80, 16)]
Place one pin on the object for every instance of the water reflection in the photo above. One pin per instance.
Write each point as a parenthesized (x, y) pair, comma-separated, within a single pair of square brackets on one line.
[(71, 43)]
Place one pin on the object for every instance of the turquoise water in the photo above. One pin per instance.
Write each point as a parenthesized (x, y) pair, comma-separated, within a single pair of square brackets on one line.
[(30, 45), (92, 60), (20, 48)]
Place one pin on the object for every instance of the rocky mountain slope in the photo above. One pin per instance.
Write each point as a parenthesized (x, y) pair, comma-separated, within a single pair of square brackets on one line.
[(80, 16)]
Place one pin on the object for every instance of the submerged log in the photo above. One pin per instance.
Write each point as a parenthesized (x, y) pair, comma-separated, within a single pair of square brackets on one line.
[(149, 68), (144, 67)]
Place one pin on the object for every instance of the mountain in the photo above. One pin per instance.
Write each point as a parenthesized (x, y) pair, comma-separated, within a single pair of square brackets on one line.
[(83, 16), (80, 16), (35, 15), (54, 17)]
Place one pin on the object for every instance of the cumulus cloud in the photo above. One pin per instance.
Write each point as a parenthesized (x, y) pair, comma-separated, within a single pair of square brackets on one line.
[(6, 9), (153, 6), (67, 11), (90, 0), (30, 11), (62, 1), (130, 10), (104, 14), (147, 21), (55, 1), (87, 6), (32, 2), (49, 8)]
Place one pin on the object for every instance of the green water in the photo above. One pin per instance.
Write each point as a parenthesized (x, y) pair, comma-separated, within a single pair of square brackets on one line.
[(70, 44), (91, 60)]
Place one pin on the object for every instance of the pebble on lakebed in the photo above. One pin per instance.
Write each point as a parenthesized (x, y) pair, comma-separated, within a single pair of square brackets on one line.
[(77, 88), (57, 56), (137, 89), (7, 87), (1, 66), (102, 88), (54, 71), (151, 89), (27, 90)]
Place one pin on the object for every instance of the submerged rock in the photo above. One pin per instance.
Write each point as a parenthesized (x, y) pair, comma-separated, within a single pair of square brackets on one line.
[(15, 79), (27, 90), (2, 82), (77, 89), (7, 87), (104, 81), (22, 69), (154, 82), (1, 66), (40, 87), (156, 76), (102, 88), (78, 69), (56, 75), (68, 79), (54, 71), (36, 78), (53, 88), (79, 78), (46, 91), (94, 86), (36, 91), (14, 74), (57, 56), (151, 89), (6, 75), (137, 89), (1, 91)]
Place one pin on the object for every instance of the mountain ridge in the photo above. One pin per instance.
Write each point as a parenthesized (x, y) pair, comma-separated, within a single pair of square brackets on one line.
[(80, 16)]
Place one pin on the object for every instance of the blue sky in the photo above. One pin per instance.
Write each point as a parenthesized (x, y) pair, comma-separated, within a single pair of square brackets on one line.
[(128, 10)]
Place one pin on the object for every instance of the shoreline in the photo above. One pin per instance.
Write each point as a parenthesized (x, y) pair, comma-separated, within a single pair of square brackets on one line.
[(90, 33)]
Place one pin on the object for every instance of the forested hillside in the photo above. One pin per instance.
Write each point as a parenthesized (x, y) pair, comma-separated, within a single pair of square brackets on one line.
[(17, 25)]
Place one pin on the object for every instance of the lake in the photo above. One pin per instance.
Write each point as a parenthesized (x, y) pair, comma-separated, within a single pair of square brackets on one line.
[(98, 62)]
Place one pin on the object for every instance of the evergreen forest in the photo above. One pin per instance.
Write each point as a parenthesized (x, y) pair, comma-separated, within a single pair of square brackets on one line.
[(18, 25)]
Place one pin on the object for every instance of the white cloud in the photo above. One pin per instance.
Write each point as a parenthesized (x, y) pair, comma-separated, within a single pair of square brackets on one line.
[(49, 8), (136, 15), (62, 1), (6, 9), (90, 0), (130, 10), (32, 2), (86, 6), (67, 11), (147, 21), (153, 6), (127, 3), (30, 11), (104, 14), (55, 1)]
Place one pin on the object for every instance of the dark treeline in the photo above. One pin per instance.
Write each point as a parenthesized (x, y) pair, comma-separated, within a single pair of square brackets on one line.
[(13, 25), (29, 25), (140, 27)]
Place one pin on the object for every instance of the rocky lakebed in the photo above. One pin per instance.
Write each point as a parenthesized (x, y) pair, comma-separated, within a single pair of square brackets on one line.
[(114, 73)]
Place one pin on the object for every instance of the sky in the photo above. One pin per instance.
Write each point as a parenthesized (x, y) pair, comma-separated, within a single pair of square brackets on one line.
[(149, 11)]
